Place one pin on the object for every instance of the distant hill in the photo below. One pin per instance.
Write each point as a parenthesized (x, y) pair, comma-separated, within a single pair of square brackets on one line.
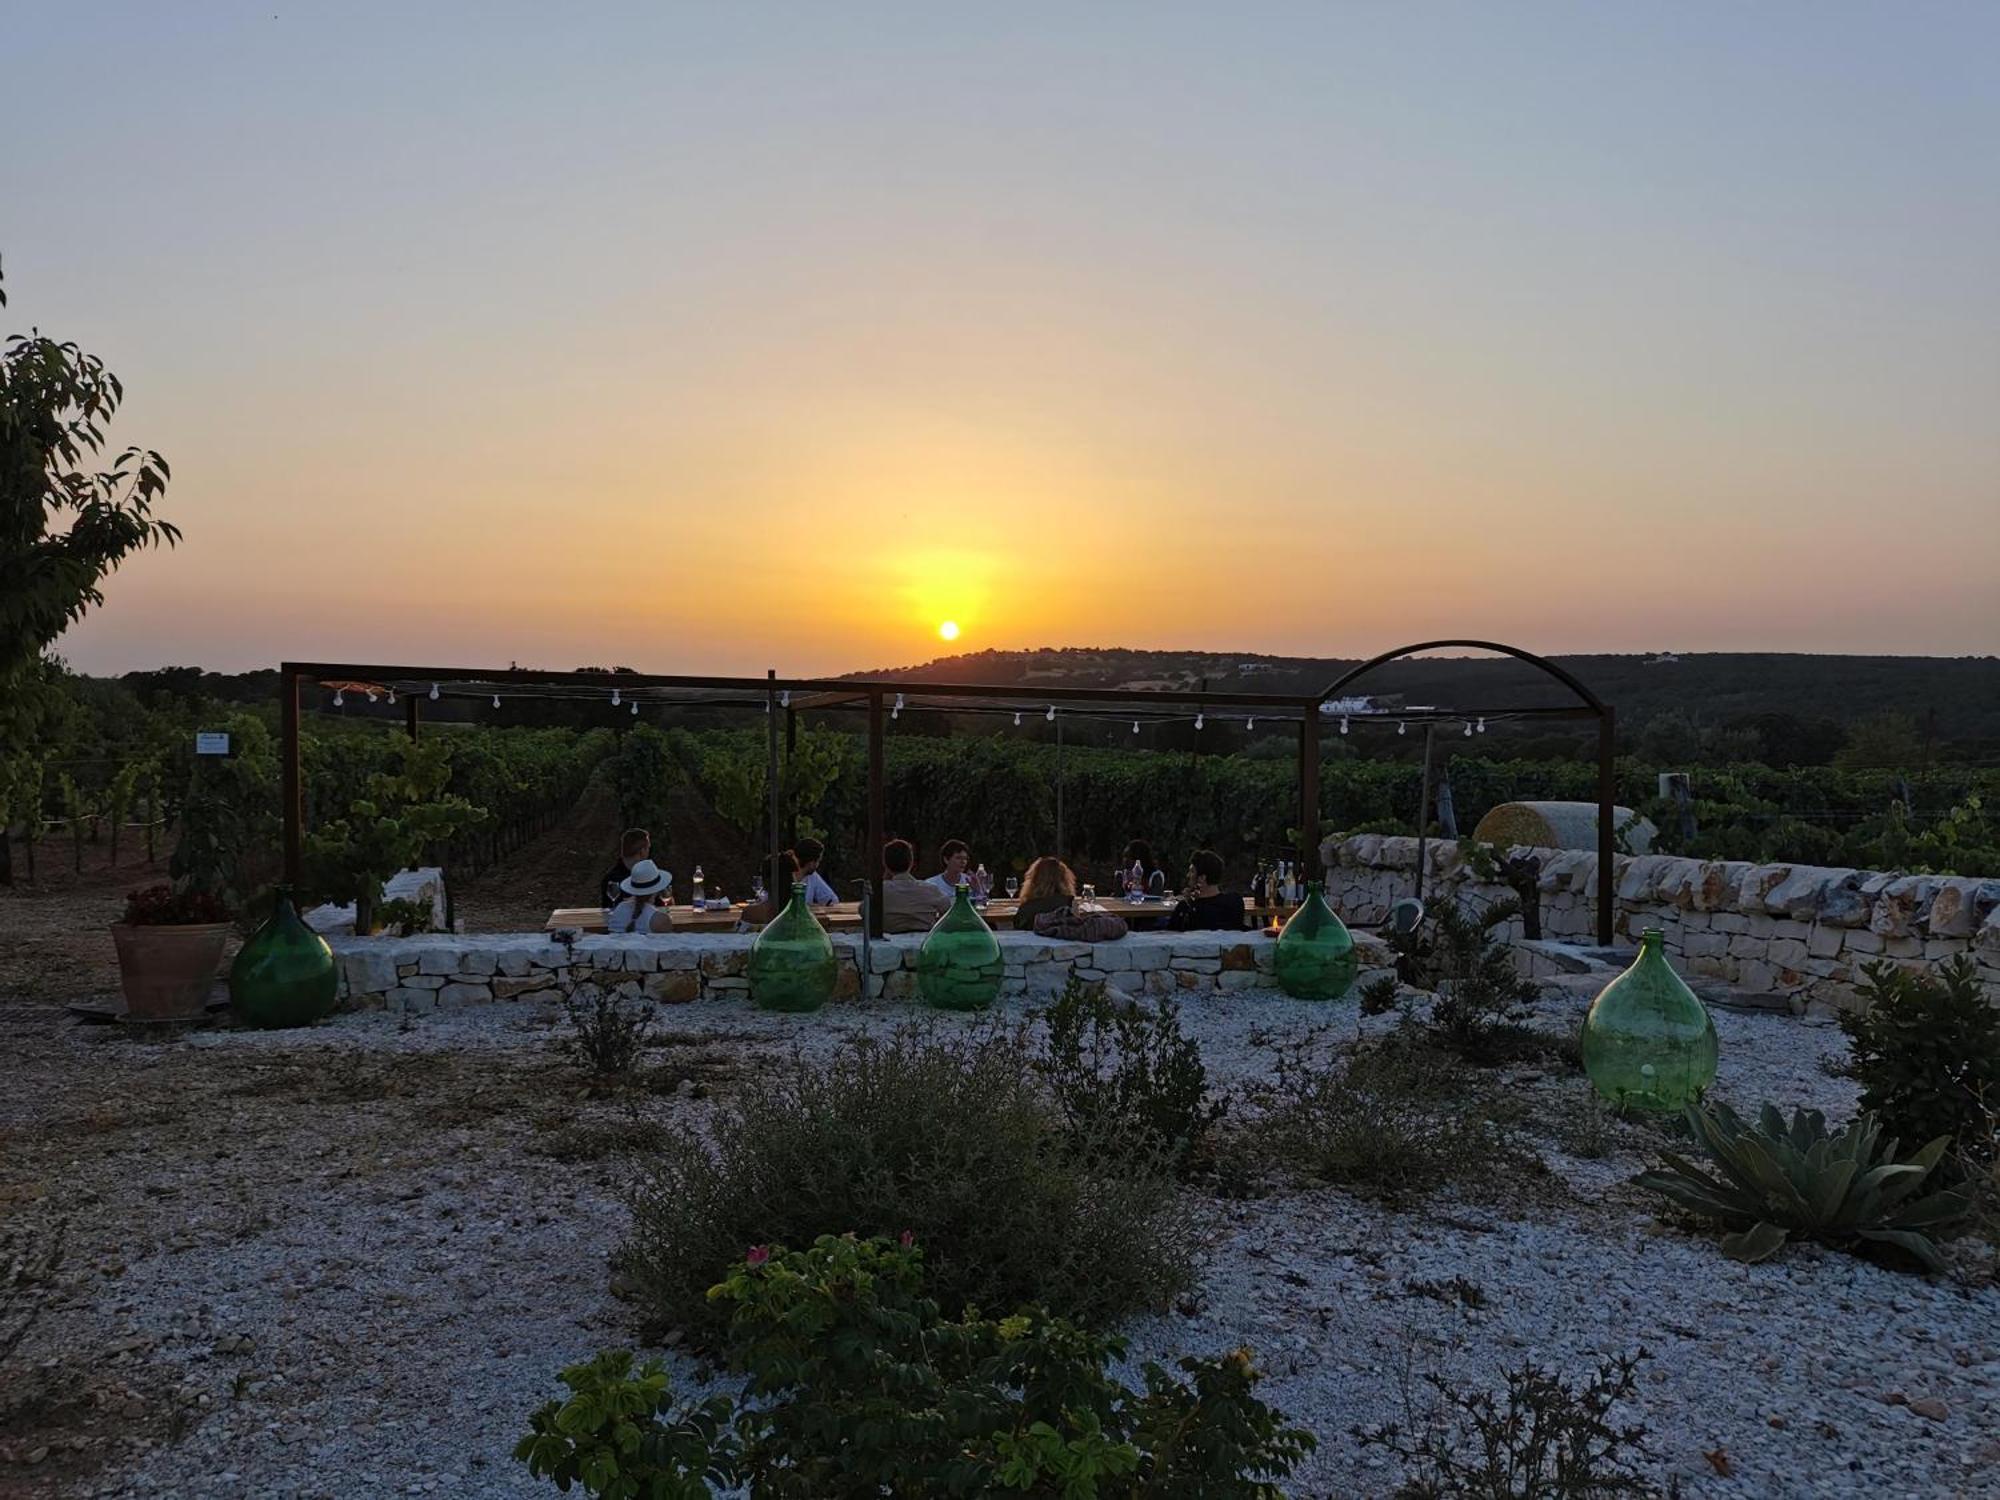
[(1963, 693)]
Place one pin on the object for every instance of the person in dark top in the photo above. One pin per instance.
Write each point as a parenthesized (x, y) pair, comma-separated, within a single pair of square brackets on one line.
[(1206, 907), (1049, 885), (637, 844)]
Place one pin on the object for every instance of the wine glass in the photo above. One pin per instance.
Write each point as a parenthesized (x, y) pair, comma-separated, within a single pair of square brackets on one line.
[(1013, 887)]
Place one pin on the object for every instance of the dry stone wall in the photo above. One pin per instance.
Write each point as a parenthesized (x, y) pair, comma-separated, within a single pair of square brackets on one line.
[(1793, 936), (447, 971)]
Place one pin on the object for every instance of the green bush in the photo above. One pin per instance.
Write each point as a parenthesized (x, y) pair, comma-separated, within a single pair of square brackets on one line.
[(1847, 1189), (1926, 1053), (857, 1384), (950, 1138), (1479, 994), (1113, 1063), (1398, 1120)]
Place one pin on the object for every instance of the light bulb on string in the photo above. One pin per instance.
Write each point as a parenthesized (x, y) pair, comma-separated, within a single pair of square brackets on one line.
[(1482, 726), (1402, 728), (897, 711), (392, 697), (635, 708), (1468, 729), (371, 696), (1198, 721), (337, 699), (434, 692), (1250, 723), (1135, 726), (1017, 718), (496, 700), (614, 697), (1051, 714), (1343, 723), (785, 699)]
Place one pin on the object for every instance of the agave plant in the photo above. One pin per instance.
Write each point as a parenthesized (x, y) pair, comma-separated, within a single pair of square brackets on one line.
[(1777, 1180)]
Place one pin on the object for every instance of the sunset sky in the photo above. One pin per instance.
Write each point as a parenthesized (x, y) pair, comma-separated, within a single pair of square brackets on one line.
[(718, 337)]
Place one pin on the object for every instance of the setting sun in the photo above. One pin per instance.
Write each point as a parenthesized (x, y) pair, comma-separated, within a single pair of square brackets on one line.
[(948, 630)]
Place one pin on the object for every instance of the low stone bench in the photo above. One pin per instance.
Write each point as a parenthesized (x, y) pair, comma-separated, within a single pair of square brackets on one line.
[(442, 971)]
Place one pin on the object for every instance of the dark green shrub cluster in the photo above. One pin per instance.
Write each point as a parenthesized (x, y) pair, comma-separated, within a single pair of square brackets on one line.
[(858, 1384), (1775, 1179), (1480, 995), (1544, 1437), (1926, 1052), (951, 1138), (1114, 1064), (1398, 1119), (605, 1032)]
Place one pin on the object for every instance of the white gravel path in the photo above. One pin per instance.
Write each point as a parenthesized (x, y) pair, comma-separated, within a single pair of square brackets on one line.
[(391, 1324)]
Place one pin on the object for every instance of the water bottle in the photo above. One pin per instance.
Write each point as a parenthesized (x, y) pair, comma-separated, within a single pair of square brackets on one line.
[(981, 884), (757, 891), (1135, 878), (698, 893)]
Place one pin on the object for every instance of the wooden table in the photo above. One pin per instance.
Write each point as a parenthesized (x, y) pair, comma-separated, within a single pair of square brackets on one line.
[(845, 916)]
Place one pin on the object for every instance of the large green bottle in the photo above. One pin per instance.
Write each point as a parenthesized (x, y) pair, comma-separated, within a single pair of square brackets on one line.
[(1648, 1042), (791, 963), (959, 966), (284, 975), (1315, 958)]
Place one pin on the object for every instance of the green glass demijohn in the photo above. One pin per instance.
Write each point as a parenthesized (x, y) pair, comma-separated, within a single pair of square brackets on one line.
[(1315, 958), (791, 963), (959, 966), (1648, 1042), (284, 975)]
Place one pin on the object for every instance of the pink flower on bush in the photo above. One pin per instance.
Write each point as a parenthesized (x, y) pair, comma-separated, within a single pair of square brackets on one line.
[(758, 1254), (908, 1239)]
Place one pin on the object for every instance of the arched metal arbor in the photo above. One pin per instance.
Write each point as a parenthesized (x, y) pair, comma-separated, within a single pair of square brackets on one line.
[(1588, 705)]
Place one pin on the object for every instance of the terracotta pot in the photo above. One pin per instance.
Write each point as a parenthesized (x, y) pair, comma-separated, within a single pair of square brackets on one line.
[(168, 972)]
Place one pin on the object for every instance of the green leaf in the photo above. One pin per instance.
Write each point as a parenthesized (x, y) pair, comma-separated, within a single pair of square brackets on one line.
[(1759, 1242)]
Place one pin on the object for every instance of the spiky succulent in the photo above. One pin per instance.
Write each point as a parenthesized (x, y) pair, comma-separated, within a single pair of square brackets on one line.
[(1776, 1180)]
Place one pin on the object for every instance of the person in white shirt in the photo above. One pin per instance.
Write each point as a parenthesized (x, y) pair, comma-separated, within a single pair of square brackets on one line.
[(809, 853), (639, 909), (957, 860)]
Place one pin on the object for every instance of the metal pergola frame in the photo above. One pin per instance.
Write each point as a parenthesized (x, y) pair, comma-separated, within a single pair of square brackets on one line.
[(789, 696)]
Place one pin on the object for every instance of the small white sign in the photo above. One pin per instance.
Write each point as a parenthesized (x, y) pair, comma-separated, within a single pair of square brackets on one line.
[(211, 742)]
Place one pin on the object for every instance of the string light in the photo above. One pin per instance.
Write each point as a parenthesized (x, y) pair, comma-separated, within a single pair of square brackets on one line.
[(434, 692), (1198, 721), (371, 696), (614, 697), (1343, 723), (1482, 726), (635, 708), (1251, 722), (785, 698), (496, 700), (1402, 728), (392, 697), (1468, 729), (1051, 714), (897, 711), (1017, 718), (337, 699), (1135, 726)]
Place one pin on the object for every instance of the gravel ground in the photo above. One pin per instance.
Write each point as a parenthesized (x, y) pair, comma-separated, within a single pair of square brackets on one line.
[(340, 1263)]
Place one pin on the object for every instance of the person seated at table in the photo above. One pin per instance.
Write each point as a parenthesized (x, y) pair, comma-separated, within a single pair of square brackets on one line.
[(781, 873), (637, 844), (908, 904), (809, 853), (1206, 907), (638, 908), (1152, 880), (1049, 885), (957, 859)]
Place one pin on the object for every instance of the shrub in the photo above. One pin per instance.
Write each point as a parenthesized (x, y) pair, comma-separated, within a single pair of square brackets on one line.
[(1777, 1180), (605, 1032), (1479, 994), (1115, 1064), (1398, 1120), (1543, 1438), (858, 1385), (950, 1138), (1926, 1053)]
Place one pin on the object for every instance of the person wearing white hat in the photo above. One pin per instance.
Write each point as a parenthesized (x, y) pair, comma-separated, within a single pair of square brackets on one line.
[(640, 909)]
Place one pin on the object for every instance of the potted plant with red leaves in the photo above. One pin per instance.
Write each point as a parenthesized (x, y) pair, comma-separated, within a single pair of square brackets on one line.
[(169, 948)]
